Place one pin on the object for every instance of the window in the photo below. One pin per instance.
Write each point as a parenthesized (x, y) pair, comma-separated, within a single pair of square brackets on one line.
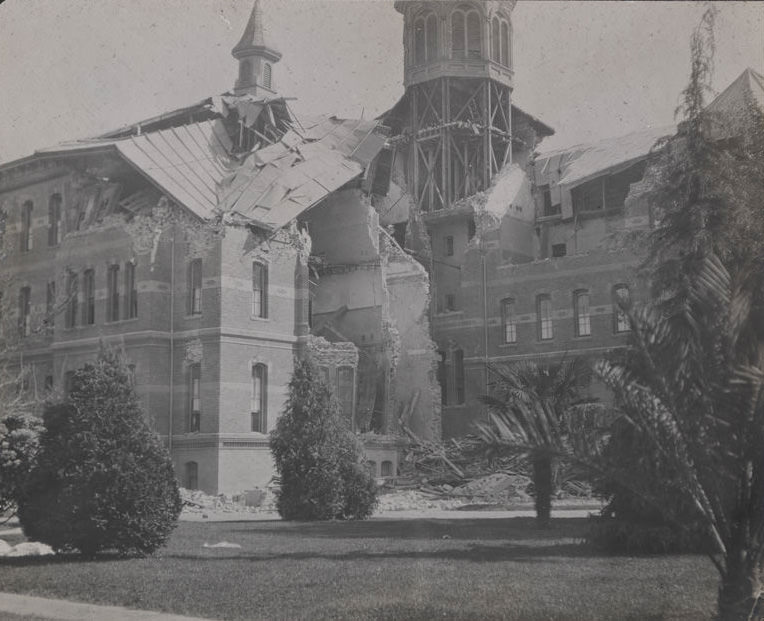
[(88, 292), (194, 397), (191, 478), (449, 246), (495, 41), (112, 293), (194, 302), (258, 405), (544, 317), (473, 35), (620, 318), (420, 42), (458, 357), (345, 390), (245, 72), (54, 220), (506, 45), (508, 325), (450, 302), (50, 307), (387, 468), (25, 298), (131, 374), (443, 378), (559, 250), (131, 293), (259, 290), (431, 36), (457, 35), (26, 226), (48, 383), (581, 313), (72, 300), (267, 74)]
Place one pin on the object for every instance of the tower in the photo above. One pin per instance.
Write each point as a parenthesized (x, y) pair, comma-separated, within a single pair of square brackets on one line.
[(457, 107), (255, 58)]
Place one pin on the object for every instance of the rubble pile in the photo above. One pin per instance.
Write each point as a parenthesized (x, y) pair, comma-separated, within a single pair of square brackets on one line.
[(196, 502), (26, 548)]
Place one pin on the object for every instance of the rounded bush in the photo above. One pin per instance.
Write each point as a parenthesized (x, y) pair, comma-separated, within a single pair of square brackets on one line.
[(319, 460), (102, 479)]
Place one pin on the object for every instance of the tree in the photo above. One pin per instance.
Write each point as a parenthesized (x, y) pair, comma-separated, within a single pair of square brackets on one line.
[(102, 479), (691, 381), (538, 411), (318, 458)]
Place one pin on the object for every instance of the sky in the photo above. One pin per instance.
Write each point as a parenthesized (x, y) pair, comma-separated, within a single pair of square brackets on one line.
[(76, 68)]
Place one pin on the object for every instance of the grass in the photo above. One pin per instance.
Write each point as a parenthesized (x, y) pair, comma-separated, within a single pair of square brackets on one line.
[(382, 569)]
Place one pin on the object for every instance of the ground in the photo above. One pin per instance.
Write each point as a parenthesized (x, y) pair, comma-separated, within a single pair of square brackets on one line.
[(384, 568)]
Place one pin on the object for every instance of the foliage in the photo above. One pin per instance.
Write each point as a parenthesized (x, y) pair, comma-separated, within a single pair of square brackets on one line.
[(538, 411), (317, 457), (19, 441), (102, 480)]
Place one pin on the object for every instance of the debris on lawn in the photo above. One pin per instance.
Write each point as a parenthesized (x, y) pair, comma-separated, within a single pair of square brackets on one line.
[(196, 502), (27, 548), (222, 544)]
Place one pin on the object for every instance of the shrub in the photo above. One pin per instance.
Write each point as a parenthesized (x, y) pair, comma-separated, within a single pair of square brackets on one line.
[(19, 440), (319, 460), (102, 479)]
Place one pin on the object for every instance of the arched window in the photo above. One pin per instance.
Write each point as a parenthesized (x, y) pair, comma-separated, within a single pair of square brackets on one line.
[(54, 220), (431, 36), (508, 322), (191, 475), (473, 35), (506, 45), (544, 318), (420, 42), (267, 71), (495, 41), (259, 403), (581, 311), (245, 72), (458, 35)]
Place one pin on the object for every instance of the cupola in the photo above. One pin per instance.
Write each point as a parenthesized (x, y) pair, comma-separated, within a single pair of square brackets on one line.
[(256, 58)]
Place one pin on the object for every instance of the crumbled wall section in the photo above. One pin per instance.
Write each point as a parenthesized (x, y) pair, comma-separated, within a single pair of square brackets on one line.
[(327, 354), (415, 392)]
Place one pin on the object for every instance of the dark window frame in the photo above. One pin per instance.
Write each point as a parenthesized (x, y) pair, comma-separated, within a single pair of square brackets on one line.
[(582, 317), (259, 398), (88, 295), (195, 290), (112, 293), (508, 321), (544, 320), (260, 289), (194, 422)]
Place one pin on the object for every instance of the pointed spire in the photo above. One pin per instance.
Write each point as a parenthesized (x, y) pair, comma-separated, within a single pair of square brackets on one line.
[(255, 57), (253, 39)]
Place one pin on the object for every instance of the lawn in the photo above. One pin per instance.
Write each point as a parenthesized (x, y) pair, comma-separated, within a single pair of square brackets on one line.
[(382, 569)]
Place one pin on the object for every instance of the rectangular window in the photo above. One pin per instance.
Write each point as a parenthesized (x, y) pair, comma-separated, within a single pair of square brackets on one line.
[(194, 397), (54, 220), (509, 327), (559, 250), (620, 318), (345, 391), (131, 374), (459, 394), (26, 226), (544, 317), (195, 287), (258, 407), (72, 300), (450, 302), (68, 383), (259, 290), (112, 293), (131, 293), (25, 307), (88, 292), (581, 312), (50, 307), (448, 249)]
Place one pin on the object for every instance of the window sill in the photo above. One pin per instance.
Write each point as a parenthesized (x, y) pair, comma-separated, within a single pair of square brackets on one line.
[(194, 316), (256, 318), (120, 321), (508, 345)]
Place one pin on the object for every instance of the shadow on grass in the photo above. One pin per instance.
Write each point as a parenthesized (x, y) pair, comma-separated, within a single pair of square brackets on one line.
[(474, 553), (515, 529)]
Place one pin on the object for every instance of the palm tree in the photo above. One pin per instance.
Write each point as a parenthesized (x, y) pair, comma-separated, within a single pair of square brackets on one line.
[(692, 382), (537, 412)]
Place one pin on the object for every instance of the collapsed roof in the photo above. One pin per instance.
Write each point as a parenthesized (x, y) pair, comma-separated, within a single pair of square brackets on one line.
[(195, 156)]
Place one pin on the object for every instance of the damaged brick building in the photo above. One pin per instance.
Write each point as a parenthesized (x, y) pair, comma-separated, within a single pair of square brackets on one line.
[(214, 243)]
